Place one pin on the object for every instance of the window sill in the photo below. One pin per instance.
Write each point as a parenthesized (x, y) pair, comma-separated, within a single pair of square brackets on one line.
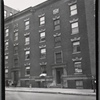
[(58, 47), (42, 41), (78, 73), (76, 52), (26, 44), (27, 59), (73, 33), (73, 15), (41, 25), (27, 75), (43, 58)]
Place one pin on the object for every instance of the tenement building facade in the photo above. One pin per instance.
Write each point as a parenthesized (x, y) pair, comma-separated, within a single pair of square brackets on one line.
[(51, 44)]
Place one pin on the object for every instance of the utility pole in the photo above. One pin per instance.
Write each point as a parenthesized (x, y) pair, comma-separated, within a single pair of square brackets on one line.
[(2, 68)]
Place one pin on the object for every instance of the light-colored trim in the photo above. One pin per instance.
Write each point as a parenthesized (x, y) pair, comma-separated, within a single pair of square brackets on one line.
[(57, 34), (42, 46), (76, 52), (75, 39), (27, 48), (41, 30), (41, 15), (77, 59), (71, 3), (27, 64), (26, 19), (43, 63), (74, 20), (15, 44), (27, 34), (56, 17)]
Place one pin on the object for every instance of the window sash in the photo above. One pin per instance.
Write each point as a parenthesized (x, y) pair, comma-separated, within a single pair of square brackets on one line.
[(74, 12), (75, 30), (56, 22), (55, 11), (26, 23), (57, 27), (43, 51), (73, 7), (42, 34)]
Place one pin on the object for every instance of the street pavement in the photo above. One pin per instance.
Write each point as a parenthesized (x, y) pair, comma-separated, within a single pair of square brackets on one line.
[(9, 95), (82, 92)]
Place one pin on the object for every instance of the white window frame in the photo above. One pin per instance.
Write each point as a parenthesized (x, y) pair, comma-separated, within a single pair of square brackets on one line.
[(42, 53), (55, 11), (42, 20), (27, 52), (5, 13), (27, 24), (27, 40), (15, 36), (42, 36), (6, 32), (76, 43), (73, 9), (27, 68), (75, 27)]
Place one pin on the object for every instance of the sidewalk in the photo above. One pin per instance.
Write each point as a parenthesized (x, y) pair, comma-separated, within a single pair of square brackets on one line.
[(84, 92)]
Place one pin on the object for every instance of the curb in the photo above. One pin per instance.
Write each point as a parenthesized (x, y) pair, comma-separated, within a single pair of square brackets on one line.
[(52, 92)]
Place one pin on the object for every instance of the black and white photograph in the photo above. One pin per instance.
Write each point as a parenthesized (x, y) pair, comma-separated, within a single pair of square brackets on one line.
[(50, 50)]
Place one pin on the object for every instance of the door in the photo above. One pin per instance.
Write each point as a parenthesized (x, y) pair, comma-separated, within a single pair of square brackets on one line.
[(15, 77), (59, 72)]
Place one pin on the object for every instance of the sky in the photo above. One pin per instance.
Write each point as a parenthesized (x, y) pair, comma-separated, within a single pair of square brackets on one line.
[(22, 4)]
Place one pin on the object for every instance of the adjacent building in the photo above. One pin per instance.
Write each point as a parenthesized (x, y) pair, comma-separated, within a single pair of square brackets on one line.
[(52, 44), (8, 11)]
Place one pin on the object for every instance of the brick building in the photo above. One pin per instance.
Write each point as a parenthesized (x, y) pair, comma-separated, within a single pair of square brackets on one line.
[(52, 44)]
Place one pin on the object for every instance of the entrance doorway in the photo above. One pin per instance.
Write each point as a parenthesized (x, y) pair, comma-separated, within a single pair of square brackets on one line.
[(59, 72), (15, 77)]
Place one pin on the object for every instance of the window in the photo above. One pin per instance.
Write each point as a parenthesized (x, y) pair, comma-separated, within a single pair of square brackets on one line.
[(55, 11), (79, 84), (43, 52), (15, 49), (27, 55), (27, 70), (73, 9), (58, 56), (27, 40), (11, 13), (57, 24), (76, 47), (42, 20), (78, 69), (6, 62), (26, 25), (6, 71), (42, 36), (57, 27), (6, 57), (75, 28), (16, 62), (43, 68), (5, 14), (6, 32), (15, 36), (57, 41), (6, 45)]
